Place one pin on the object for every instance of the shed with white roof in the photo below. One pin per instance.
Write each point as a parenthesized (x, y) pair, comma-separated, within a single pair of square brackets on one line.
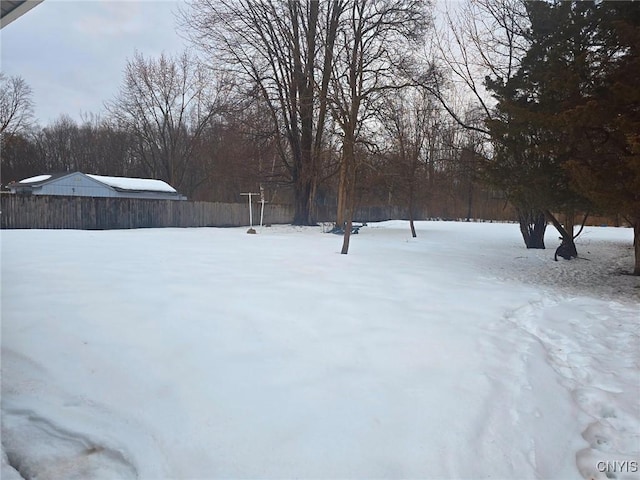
[(78, 184)]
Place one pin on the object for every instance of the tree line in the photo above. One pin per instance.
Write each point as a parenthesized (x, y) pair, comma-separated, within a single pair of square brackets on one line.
[(212, 143), (350, 101)]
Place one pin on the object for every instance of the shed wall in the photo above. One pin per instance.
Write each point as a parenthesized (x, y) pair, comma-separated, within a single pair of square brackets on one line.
[(78, 185), (75, 185)]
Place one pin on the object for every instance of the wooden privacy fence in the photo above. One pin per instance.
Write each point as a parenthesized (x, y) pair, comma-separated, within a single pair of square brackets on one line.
[(90, 213)]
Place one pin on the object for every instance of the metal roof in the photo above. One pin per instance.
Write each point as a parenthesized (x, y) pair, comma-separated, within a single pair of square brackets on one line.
[(12, 9)]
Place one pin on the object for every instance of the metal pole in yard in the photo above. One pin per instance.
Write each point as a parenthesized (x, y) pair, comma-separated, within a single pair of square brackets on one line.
[(250, 212)]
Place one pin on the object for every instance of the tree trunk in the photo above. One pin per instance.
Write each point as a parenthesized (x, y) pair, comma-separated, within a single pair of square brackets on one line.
[(636, 244), (567, 237), (342, 193), (411, 195), (349, 161), (302, 104), (313, 208), (349, 215), (533, 225), (469, 201), (569, 222), (302, 203), (347, 237)]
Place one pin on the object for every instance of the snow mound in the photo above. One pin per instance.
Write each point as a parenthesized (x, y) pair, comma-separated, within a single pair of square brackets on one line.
[(38, 178), (144, 184)]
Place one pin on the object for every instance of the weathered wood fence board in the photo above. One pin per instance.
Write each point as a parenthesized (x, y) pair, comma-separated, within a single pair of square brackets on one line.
[(91, 213), (88, 213)]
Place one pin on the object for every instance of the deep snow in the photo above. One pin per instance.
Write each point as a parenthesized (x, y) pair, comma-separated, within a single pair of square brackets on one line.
[(209, 353)]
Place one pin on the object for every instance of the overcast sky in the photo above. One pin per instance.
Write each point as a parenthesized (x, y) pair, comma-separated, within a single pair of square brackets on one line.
[(73, 53)]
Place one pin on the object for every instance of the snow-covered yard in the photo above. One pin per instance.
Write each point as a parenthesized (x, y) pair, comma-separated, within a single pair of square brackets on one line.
[(210, 353)]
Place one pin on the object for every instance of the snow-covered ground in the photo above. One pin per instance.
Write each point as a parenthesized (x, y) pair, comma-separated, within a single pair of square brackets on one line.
[(210, 353)]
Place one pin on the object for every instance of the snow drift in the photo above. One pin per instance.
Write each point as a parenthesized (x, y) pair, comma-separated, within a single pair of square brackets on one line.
[(209, 353)]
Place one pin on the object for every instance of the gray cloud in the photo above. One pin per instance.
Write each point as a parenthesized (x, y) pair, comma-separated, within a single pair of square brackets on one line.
[(73, 53)]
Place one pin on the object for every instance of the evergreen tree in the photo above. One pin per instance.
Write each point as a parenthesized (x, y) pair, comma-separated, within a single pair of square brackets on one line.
[(567, 134), (605, 165), (532, 138)]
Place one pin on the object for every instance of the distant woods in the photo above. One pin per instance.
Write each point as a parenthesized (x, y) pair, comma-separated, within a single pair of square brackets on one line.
[(216, 132), (526, 108), (234, 154)]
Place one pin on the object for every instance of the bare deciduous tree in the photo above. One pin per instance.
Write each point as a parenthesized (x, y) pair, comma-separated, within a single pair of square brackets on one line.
[(16, 105), (478, 39), (166, 103), (374, 46), (411, 118), (487, 39), (281, 52)]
